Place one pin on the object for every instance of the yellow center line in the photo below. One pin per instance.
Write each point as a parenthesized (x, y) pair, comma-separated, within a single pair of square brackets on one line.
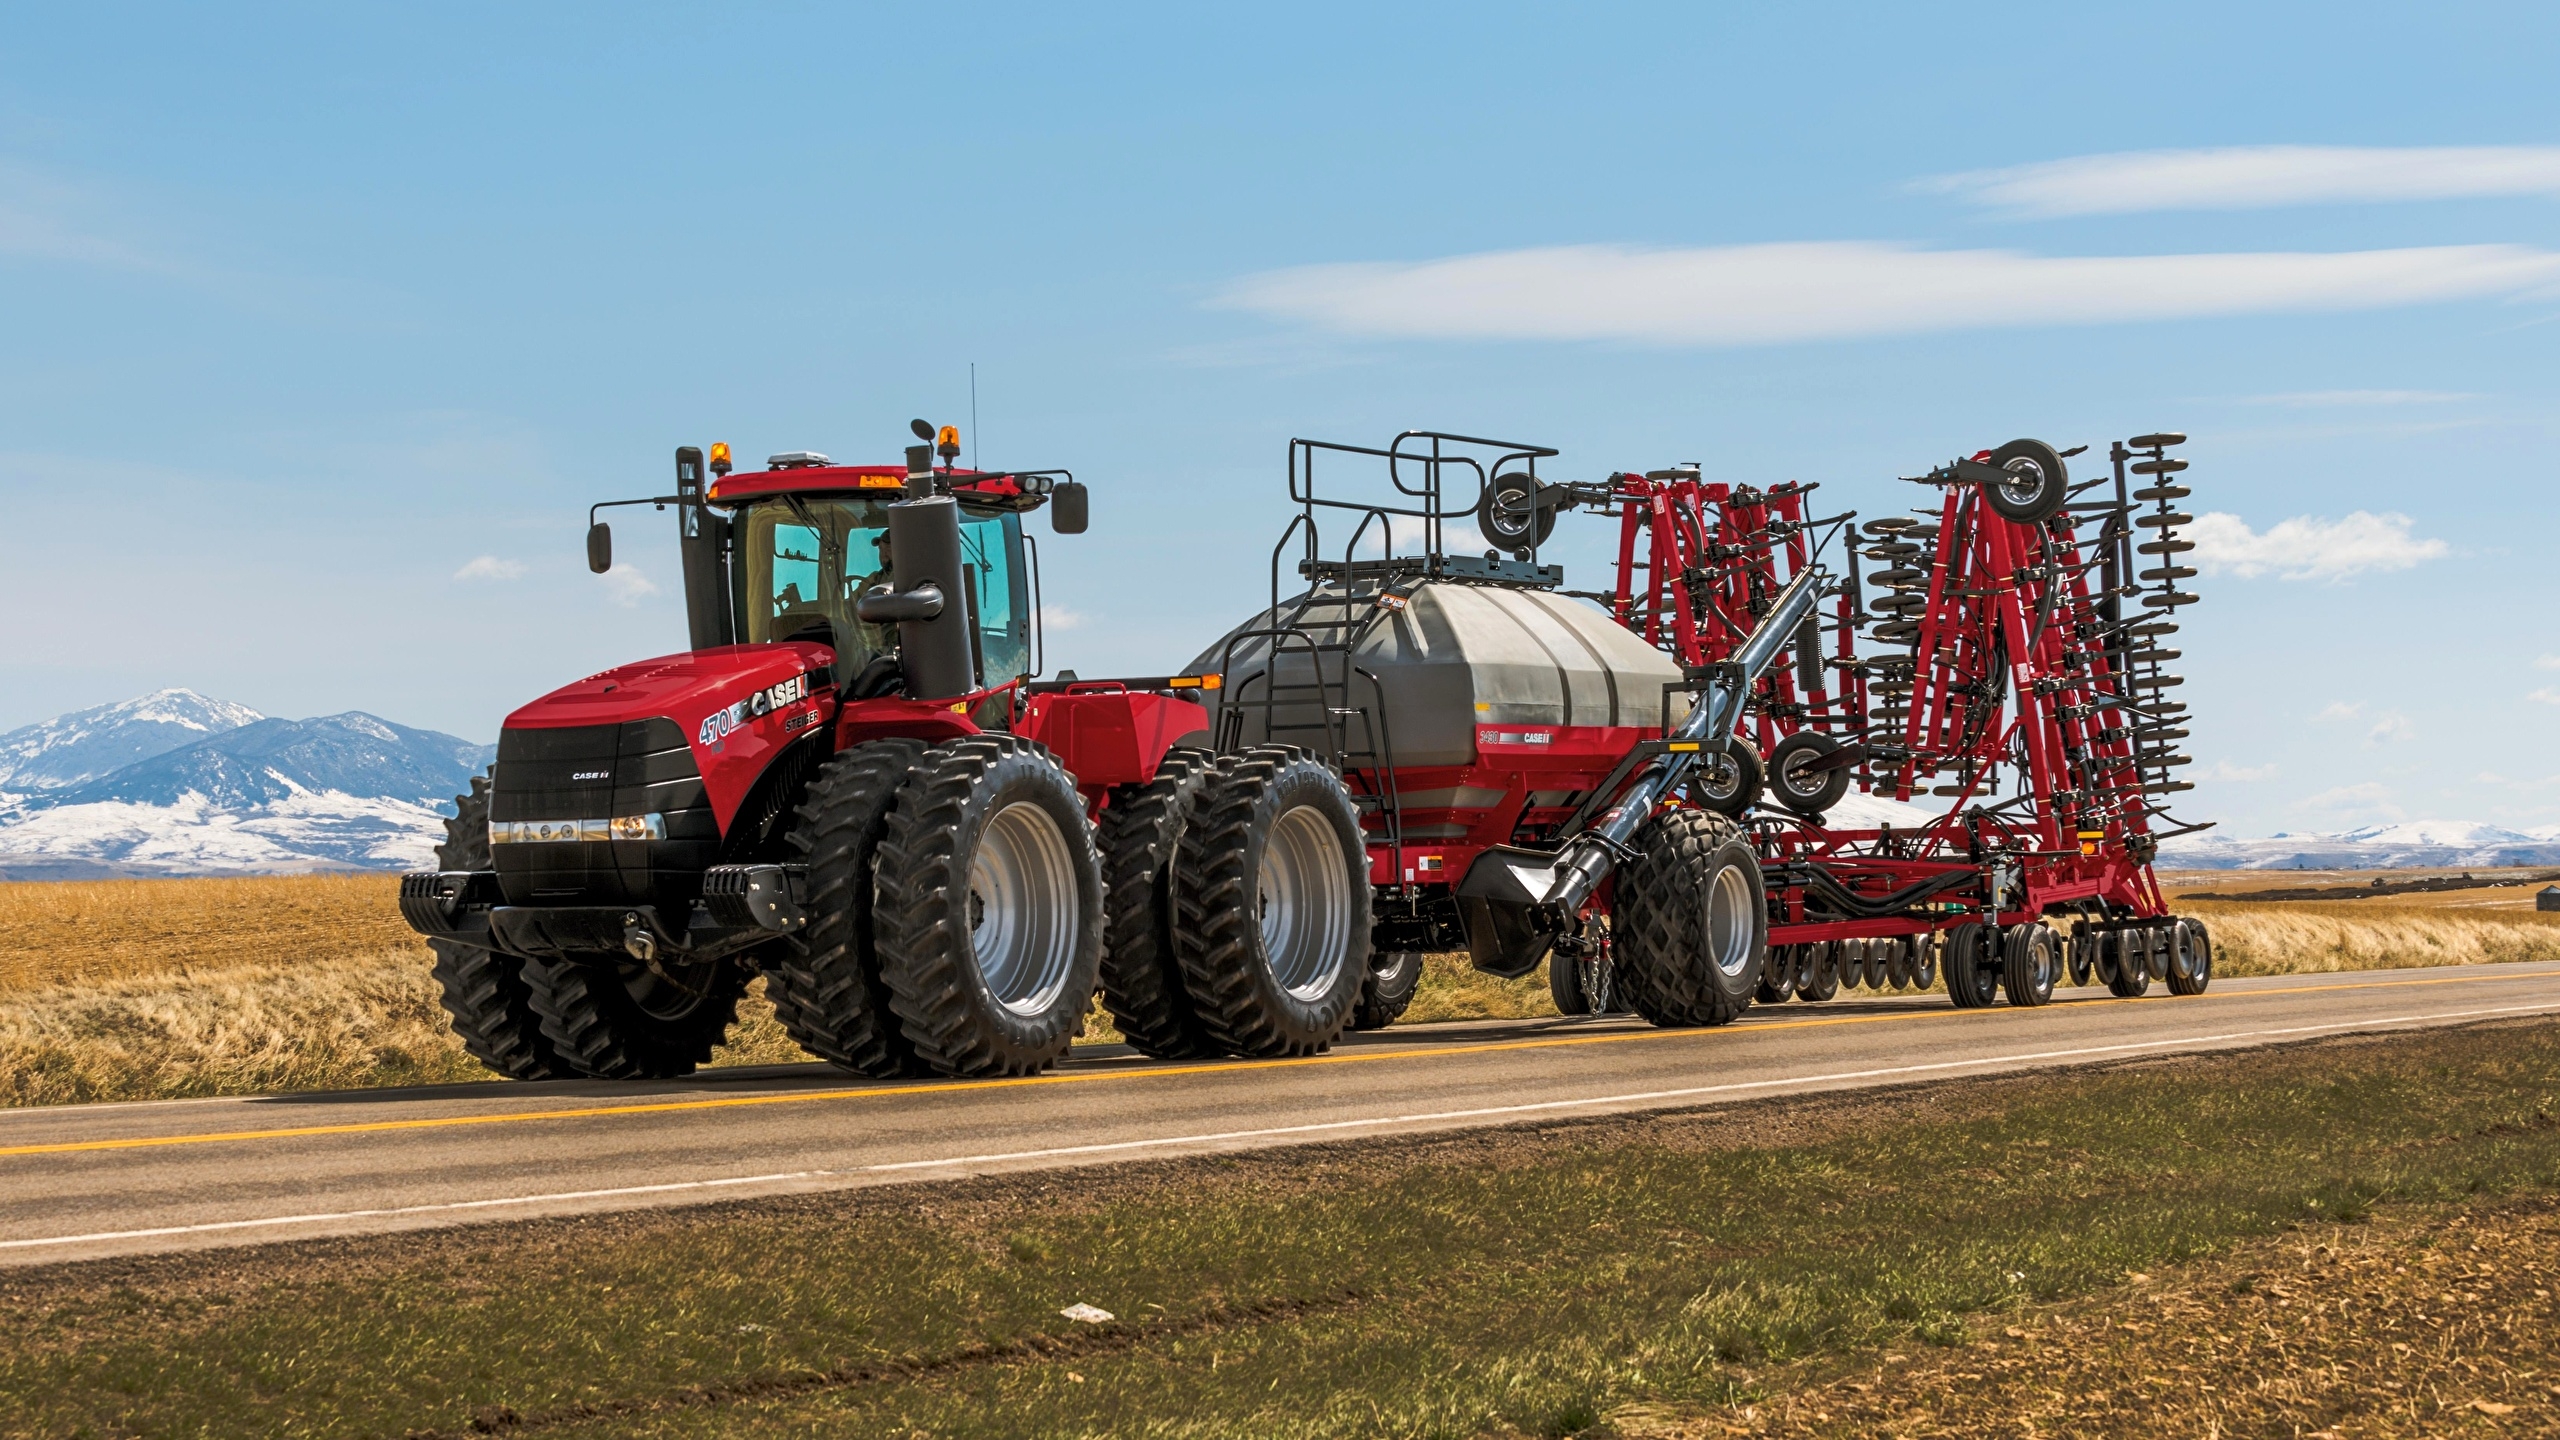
[(1157, 1072)]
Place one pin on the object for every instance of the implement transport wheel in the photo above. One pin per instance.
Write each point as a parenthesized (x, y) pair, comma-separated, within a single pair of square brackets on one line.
[(825, 982), (1692, 922), (2124, 959), (1972, 965), (1778, 975), (1141, 980), (1274, 894), (2036, 484), (1795, 782), (989, 908), (1393, 976), (485, 993), (2190, 958), (2030, 963), (1816, 979), (611, 1017)]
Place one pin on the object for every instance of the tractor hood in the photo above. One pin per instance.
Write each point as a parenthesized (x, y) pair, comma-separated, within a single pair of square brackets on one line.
[(736, 706)]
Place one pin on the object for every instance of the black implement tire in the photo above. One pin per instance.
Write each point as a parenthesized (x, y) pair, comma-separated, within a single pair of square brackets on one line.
[(612, 1018), (1972, 965), (1513, 513), (2190, 958), (1274, 896), (2126, 963), (1141, 980), (988, 909), (1816, 979), (1692, 921), (825, 983), (1778, 975), (2029, 964), (1806, 794), (484, 992), (1728, 781), (1384, 996), (1582, 984), (2040, 486)]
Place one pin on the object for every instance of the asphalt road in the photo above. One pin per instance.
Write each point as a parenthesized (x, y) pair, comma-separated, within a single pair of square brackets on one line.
[(88, 1181)]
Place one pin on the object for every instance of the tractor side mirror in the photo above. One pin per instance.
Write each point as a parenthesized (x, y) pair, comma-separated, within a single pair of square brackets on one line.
[(1066, 508), (599, 547)]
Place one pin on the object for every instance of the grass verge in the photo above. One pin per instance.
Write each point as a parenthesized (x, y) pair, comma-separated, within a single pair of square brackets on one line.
[(1529, 1281)]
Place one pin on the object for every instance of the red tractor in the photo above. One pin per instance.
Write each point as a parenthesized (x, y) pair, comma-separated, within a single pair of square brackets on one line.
[(852, 784)]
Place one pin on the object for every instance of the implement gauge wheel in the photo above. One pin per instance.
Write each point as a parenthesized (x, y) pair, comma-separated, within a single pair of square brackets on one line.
[(989, 908), (2036, 486), (1274, 940), (1728, 781), (2190, 958), (1692, 922), (1795, 782), (1512, 514), (2124, 962), (2029, 964), (1972, 964)]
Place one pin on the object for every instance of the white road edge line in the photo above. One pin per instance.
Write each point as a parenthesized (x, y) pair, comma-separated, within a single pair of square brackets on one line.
[(1374, 1122)]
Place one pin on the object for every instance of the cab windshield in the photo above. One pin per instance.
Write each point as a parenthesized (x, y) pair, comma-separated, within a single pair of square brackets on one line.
[(802, 561)]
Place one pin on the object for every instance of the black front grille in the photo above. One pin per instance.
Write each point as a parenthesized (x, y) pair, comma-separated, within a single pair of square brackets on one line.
[(594, 772)]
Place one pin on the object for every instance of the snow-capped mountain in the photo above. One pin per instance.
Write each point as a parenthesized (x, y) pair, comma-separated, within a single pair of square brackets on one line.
[(87, 744), (271, 760), (241, 793), (2410, 844)]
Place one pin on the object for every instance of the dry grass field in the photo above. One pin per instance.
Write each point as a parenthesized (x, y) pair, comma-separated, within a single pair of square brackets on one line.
[(145, 989)]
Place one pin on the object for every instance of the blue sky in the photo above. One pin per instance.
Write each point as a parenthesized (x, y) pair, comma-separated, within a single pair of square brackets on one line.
[(323, 324)]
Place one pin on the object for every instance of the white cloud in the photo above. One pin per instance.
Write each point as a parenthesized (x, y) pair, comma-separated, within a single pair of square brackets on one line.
[(2369, 798), (490, 567), (2225, 770), (2258, 177), (2308, 547), (2325, 399), (2546, 662), (627, 586), (1814, 290), (1056, 619), (2390, 728), (2548, 695), (2340, 710)]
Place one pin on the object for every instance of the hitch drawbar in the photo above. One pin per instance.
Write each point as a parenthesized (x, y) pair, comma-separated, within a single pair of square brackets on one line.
[(1516, 902)]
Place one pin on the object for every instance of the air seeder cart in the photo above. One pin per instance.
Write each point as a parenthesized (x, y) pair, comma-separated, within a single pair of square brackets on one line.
[(1633, 782)]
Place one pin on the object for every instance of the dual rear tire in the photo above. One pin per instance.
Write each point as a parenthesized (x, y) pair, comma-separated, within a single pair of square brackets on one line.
[(955, 911)]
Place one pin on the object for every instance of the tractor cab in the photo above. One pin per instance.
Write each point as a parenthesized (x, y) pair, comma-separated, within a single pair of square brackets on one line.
[(806, 544)]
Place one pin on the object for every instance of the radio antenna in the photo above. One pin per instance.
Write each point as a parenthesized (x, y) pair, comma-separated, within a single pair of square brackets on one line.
[(977, 451)]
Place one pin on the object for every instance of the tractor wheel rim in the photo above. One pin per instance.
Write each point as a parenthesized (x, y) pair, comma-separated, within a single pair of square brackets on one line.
[(1022, 908), (1305, 894), (1729, 921)]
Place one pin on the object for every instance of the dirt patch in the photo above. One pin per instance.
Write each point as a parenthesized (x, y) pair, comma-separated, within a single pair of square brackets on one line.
[(2431, 1322)]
